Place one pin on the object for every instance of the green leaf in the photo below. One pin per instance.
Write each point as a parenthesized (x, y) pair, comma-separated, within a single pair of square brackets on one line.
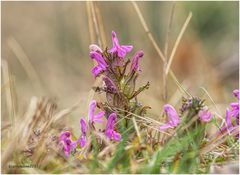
[(174, 146)]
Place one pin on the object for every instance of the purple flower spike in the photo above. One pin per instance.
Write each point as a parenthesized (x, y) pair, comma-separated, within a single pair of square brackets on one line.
[(102, 65), (121, 50), (173, 118), (204, 115), (92, 117), (109, 132), (135, 60)]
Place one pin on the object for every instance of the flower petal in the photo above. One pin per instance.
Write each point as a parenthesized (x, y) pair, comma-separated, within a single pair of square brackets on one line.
[(99, 115), (121, 52), (236, 93), (109, 133), (228, 118), (97, 70), (135, 60), (111, 121), (112, 50), (116, 136), (82, 141), (73, 145), (91, 110), (127, 48), (165, 126), (98, 57), (64, 135), (235, 109), (115, 40), (173, 118), (83, 124), (68, 146), (67, 151), (172, 115), (204, 115), (98, 121), (95, 48)]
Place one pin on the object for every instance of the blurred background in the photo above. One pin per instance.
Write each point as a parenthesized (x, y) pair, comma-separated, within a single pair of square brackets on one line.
[(45, 45)]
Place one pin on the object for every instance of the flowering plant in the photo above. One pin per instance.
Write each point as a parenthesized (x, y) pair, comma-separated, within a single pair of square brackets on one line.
[(125, 128), (122, 112)]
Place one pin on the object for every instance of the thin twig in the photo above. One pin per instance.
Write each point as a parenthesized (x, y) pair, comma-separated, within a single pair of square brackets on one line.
[(90, 22), (25, 62), (178, 41), (137, 130), (101, 26), (214, 104), (144, 118), (10, 100), (216, 142), (169, 29), (96, 29), (169, 26), (164, 82), (95, 22), (147, 31), (156, 46)]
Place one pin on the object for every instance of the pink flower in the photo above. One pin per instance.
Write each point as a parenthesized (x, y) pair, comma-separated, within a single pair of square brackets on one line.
[(229, 125), (83, 139), (173, 117), (121, 50), (228, 118), (232, 115), (135, 60), (235, 109), (83, 125), (68, 144), (204, 115), (102, 65), (92, 117), (109, 132), (64, 135), (235, 105), (236, 93)]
